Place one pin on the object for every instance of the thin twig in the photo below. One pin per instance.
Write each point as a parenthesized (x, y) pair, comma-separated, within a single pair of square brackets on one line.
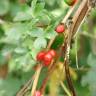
[(68, 77), (88, 35), (76, 53), (65, 88), (50, 71), (69, 13), (24, 89), (37, 73), (85, 69), (50, 43)]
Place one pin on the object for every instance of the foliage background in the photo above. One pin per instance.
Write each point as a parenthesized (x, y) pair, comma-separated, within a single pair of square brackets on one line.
[(21, 40)]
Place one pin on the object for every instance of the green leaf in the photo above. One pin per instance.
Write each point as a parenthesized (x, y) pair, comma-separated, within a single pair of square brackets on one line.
[(40, 43), (28, 43), (39, 8), (21, 16), (13, 83), (58, 42), (91, 60), (90, 77), (21, 62), (14, 34), (4, 7), (2, 59), (34, 53), (50, 32), (33, 5), (36, 32), (20, 50), (8, 87), (44, 19), (50, 2)]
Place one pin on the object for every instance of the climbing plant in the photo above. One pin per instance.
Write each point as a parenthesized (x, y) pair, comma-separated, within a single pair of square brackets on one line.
[(47, 47)]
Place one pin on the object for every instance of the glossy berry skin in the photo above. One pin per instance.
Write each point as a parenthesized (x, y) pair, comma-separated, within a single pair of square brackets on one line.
[(47, 59), (52, 52), (60, 28), (37, 93), (70, 2), (40, 56)]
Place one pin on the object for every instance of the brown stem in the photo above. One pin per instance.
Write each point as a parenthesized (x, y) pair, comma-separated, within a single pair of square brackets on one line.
[(68, 77), (24, 89), (79, 16), (77, 20), (50, 71)]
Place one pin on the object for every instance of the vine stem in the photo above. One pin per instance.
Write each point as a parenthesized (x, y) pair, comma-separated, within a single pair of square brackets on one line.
[(37, 73), (69, 13), (72, 30), (48, 76), (79, 16), (50, 43), (25, 89), (65, 88), (63, 21), (88, 35), (76, 53)]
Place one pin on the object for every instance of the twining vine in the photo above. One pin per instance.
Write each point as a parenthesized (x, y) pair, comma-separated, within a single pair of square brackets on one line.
[(68, 27)]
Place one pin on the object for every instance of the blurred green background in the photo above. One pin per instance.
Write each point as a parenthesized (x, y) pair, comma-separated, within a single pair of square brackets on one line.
[(21, 40)]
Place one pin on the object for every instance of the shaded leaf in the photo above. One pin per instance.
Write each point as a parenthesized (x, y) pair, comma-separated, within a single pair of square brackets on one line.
[(40, 43), (22, 16)]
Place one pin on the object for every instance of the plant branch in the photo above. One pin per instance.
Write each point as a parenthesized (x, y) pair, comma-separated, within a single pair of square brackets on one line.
[(77, 19), (52, 40), (50, 71), (69, 13), (79, 16), (25, 88), (65, 88), (37, 73)]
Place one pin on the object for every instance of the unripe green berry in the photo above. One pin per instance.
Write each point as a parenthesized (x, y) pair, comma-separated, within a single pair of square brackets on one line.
[(70, 2)]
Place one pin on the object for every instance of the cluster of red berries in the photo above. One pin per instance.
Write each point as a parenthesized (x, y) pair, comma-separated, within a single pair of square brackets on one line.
[(46, 57), (37, 93)]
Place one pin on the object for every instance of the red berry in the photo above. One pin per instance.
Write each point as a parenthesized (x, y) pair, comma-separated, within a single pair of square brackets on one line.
[(47, 59), (70, 2), (60, 28), (40, 56), (37, 93), (52, 52)]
